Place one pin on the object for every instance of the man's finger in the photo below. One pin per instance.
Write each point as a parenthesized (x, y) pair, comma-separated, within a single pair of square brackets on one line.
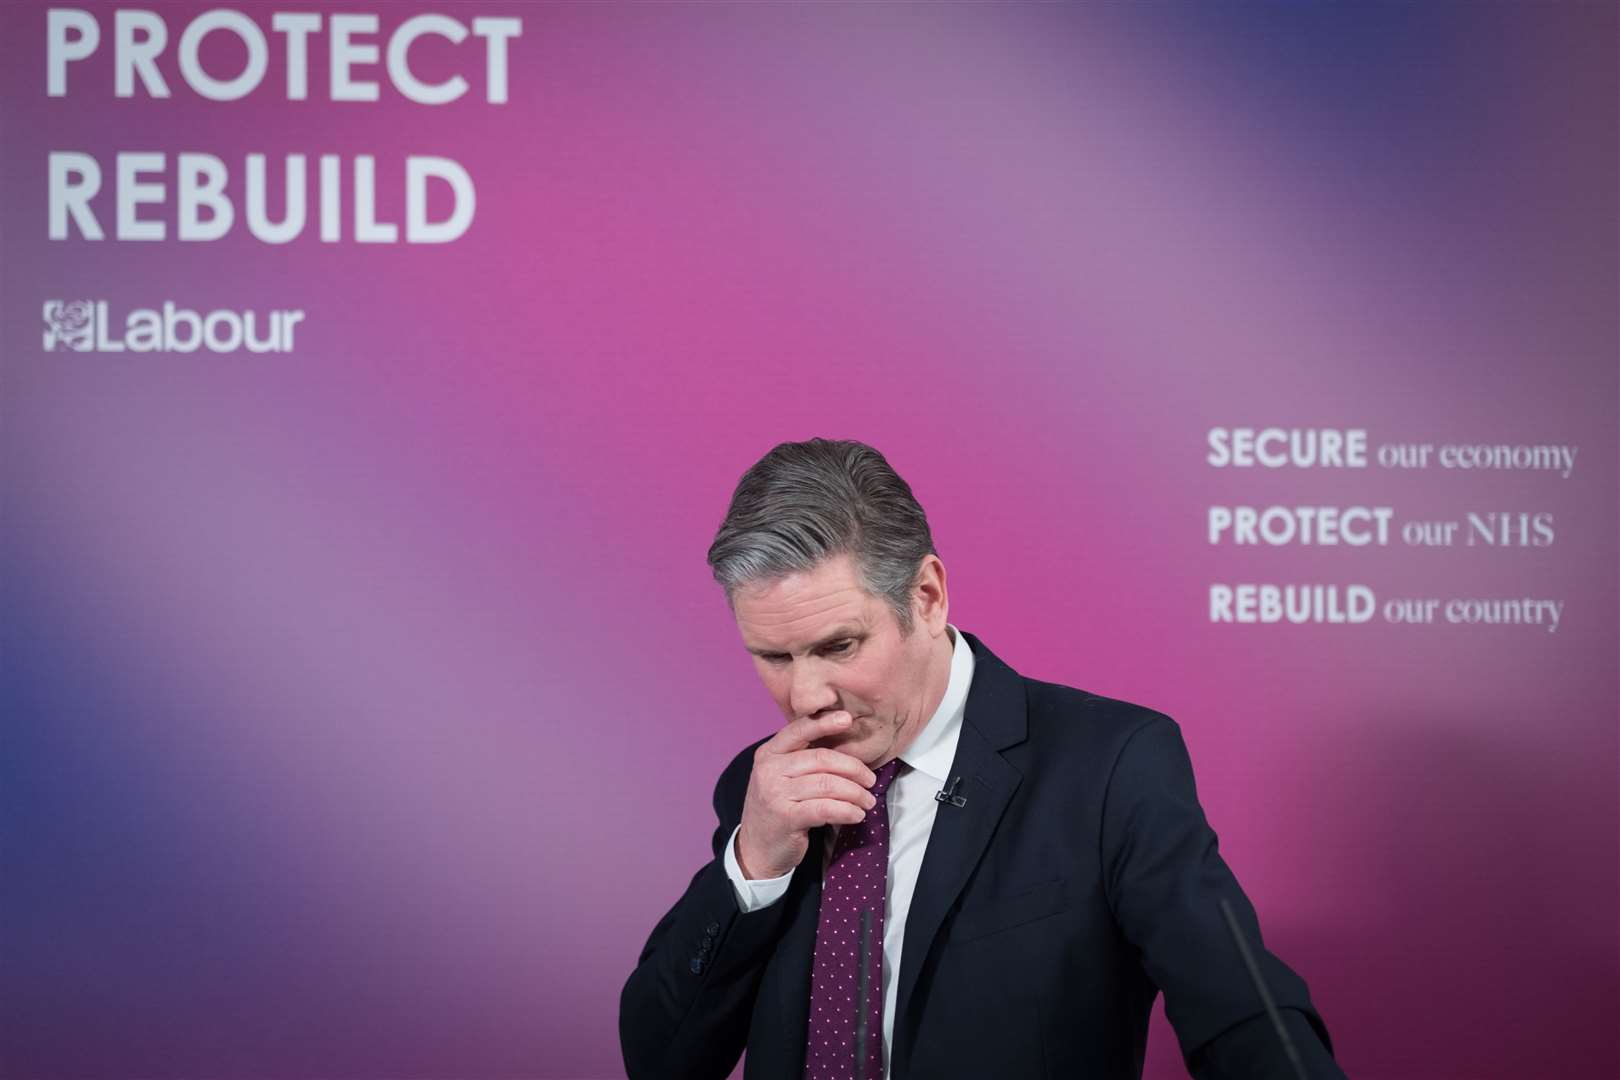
[(813, 787), (824, 759), (800, 733), (816, 812)]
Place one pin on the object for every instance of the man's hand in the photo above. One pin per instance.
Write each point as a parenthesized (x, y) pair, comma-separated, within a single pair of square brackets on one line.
[(795, 788)]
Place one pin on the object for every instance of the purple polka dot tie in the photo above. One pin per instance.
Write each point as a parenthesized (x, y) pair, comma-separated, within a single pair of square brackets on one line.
[(856, 880)]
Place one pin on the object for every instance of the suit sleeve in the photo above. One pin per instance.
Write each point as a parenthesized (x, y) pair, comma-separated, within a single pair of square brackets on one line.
[(685, 1010), (1165, 880)]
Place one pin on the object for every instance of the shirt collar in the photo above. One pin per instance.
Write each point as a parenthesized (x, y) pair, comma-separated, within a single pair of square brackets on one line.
[(934, 748)]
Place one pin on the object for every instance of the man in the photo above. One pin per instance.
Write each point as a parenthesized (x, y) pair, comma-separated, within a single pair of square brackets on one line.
[(936, 867)]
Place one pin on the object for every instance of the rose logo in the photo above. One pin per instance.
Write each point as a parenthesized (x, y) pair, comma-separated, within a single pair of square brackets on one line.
[(69, 325)]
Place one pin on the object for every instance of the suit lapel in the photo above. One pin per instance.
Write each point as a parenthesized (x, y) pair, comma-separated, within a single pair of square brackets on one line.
[(994, 718)]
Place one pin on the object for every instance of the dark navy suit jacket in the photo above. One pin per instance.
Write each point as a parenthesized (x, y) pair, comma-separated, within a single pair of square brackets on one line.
[(1079, 881)]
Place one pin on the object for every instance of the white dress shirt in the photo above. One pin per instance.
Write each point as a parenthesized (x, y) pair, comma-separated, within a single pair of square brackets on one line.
[(911, 806)]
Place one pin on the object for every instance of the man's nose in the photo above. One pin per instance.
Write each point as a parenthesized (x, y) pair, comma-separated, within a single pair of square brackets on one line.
[(811, 692)]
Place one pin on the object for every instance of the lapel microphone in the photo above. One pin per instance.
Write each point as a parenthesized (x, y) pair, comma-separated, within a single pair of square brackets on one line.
[(949, 795)]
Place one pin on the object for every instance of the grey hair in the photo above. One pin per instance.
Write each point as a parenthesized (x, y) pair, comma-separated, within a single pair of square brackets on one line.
[(808, 501)]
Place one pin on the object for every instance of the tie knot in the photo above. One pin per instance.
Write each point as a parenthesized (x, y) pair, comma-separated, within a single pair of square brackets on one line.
[(885, 776)]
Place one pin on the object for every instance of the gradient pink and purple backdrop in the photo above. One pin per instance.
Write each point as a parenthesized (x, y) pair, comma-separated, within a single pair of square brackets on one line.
[(362, 706)]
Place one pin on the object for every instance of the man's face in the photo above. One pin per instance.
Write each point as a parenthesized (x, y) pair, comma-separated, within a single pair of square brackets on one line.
[(822, 643)]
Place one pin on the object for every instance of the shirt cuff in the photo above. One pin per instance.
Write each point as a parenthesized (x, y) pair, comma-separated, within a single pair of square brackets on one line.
[(753, 895)]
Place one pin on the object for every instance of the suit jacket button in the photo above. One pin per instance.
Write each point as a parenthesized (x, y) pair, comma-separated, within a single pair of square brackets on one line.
[(712, 929), (696, 966)]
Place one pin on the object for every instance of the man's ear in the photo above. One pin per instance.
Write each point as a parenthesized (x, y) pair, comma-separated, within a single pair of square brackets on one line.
[(930, 600)]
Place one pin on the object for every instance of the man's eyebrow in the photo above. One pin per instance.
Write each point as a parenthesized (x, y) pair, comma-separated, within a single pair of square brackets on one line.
[(837, 635)]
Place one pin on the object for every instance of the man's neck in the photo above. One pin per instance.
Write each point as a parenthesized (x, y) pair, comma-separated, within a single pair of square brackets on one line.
[(939, 681)]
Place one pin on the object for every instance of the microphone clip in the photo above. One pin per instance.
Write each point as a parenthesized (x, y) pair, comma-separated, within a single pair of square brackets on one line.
[(949, 795)]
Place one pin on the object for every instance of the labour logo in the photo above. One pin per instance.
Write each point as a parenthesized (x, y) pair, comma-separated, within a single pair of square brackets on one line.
[(69, 325)]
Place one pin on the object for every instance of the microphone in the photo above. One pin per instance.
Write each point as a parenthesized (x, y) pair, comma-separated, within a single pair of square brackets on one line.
[(1265, 994), (949, 795)]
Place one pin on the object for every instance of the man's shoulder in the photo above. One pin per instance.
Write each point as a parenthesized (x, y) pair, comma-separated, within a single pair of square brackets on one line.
[(1061, 716), (743, 763), (739, 768), (1064, 714), (1097, 743), (733, 782)]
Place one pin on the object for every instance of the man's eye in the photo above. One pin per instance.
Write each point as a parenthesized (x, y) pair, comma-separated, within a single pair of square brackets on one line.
[(838, 647)]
